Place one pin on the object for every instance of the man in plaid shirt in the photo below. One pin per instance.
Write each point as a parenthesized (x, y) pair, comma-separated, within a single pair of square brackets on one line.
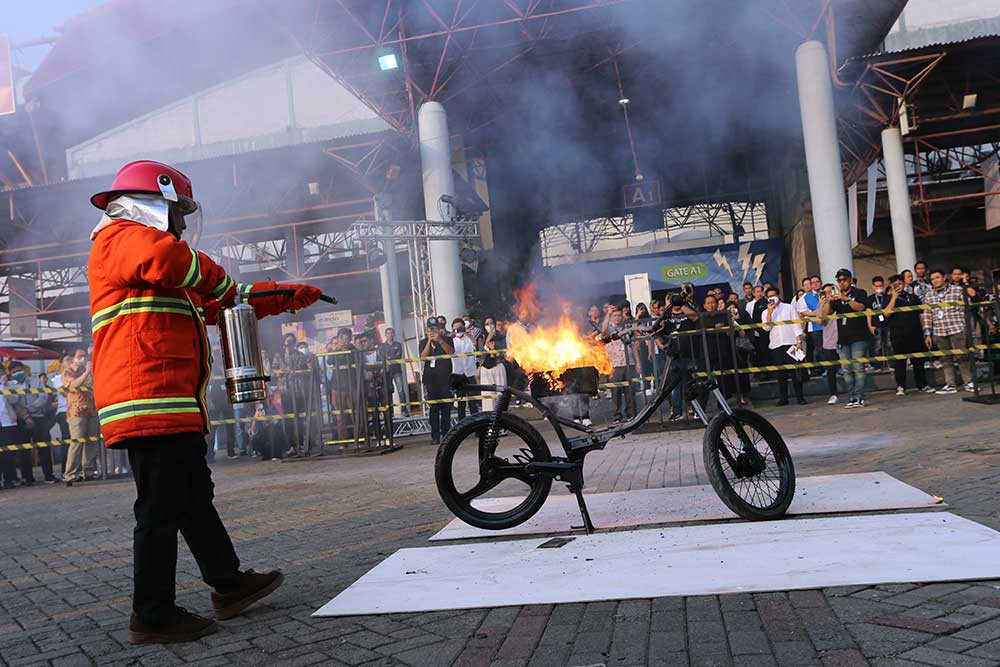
[(945, 327)]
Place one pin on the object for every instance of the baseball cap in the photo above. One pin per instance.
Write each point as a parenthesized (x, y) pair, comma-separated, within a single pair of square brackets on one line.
[(432, 321)]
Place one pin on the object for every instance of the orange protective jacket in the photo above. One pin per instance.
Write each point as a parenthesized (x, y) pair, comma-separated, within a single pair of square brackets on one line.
[(150, 299)]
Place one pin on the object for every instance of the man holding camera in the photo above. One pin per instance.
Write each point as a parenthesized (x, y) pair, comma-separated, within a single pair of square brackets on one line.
[(437, 377), (852, 333), (786, 344), (676, 319)]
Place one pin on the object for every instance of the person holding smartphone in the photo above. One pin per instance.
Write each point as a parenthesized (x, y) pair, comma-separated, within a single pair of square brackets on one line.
[(436, 377), (905, 333), (852, 333), (787, 343)]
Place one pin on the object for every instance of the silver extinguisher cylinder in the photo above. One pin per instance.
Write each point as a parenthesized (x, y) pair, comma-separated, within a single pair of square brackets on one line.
[(244, 369)]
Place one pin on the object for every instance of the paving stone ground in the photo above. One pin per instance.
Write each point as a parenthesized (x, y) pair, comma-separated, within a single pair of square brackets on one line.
[(65, 564)]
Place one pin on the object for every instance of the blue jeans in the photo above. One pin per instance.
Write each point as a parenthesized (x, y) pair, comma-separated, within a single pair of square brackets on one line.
[(854, 374), (399, 384)]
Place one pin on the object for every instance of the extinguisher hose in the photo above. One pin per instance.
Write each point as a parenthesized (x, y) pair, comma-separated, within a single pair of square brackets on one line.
[(285, 292)]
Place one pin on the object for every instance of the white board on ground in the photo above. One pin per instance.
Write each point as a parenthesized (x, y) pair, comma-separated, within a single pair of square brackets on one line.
[(685, 560), (826, 494)]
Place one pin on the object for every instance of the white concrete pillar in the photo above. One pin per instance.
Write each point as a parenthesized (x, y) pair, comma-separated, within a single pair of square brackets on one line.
[(826, 182), (389, 272), (435, 159), (899, 199)]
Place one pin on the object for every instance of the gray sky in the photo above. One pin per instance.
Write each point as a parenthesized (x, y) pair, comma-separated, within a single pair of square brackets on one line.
[(29, 19)]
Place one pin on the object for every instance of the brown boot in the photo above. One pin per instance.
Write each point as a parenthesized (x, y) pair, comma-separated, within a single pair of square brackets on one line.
[(183, 626), (251, 587)]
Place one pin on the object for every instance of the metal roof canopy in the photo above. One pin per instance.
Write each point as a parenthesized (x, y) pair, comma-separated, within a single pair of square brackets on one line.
[(711, 84), (945, 138)]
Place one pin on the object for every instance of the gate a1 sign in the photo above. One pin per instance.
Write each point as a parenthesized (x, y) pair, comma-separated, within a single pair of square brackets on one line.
[(684, 272)]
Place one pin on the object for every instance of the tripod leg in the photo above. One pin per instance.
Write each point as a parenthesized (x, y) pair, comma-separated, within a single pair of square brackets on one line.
[(588, 525)]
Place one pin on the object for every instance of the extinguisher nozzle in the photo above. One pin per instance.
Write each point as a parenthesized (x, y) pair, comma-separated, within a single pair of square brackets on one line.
[(328, 299)]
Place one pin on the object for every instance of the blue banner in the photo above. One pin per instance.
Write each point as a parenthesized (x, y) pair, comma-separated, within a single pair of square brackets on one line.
[(731, 264)]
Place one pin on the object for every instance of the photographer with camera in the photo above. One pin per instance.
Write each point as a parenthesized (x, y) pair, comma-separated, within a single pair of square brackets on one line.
[(436, 377), (679, 317)]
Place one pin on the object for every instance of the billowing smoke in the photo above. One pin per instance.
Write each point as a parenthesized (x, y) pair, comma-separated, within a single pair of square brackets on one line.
[(712, 103)]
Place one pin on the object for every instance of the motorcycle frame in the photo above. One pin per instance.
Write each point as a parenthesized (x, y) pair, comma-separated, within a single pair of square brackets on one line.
[(569, 469)]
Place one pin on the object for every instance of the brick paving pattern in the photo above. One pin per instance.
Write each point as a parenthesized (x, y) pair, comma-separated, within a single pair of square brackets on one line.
[(65, 564)]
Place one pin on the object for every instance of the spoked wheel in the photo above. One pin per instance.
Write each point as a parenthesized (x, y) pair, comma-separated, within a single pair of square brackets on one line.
[(476, 465), (749, 465)]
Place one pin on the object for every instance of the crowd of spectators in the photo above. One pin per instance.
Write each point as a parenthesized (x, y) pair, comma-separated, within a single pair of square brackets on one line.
[(317, 390), (44, 416)]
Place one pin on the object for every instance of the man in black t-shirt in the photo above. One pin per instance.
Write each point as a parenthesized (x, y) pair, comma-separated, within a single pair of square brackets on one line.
[(391, 350), (877, 323), (906, 333), (852, 333), (436, 377)]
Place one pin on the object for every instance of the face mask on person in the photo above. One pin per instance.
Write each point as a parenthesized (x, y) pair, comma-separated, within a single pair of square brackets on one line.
[(468, 324), (490, 328), (880, 290)]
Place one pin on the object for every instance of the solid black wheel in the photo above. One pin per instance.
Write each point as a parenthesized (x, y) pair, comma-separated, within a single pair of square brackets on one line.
[(751, 471), (477, 464)]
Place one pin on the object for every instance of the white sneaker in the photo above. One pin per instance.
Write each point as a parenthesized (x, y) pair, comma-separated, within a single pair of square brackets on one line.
[(900, 391), (938, 365), (928, 389), (587, 422), (649, 392), (833, 400), (968, 386), (947, 389), (851, 404)]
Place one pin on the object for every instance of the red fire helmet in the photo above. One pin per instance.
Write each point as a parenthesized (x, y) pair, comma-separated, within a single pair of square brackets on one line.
[(149, 178)]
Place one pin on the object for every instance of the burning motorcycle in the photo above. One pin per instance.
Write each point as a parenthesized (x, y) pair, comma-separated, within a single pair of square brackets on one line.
[(498, 452)]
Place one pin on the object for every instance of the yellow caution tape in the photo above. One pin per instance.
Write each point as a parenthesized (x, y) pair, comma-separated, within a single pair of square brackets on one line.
[(49, 390)]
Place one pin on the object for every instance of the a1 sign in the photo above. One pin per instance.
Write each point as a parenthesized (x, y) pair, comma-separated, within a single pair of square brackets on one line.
[(642, 193)]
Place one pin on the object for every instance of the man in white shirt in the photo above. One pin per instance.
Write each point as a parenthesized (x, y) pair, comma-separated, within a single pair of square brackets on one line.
[(56, 381), (10, 433), (783, 339), (463, 369)]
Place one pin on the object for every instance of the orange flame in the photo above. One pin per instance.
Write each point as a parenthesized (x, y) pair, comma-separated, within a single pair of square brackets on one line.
[(550, 350), (526, 308)]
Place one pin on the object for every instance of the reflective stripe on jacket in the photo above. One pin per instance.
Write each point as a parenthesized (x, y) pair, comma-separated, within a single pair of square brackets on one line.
[(150, 299)]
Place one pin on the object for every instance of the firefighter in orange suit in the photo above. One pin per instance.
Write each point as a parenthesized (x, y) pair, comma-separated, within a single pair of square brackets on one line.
[(151, 297)]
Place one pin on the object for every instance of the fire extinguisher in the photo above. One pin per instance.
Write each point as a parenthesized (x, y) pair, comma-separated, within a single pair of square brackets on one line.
[(242, 360)]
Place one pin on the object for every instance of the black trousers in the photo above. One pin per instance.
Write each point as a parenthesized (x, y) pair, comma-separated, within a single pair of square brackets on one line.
[(439, 413), (622, 374), (909, 345), (461, 392), (779, 356), (39, 432), (174, 493), (9, 435), (295, 427)]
